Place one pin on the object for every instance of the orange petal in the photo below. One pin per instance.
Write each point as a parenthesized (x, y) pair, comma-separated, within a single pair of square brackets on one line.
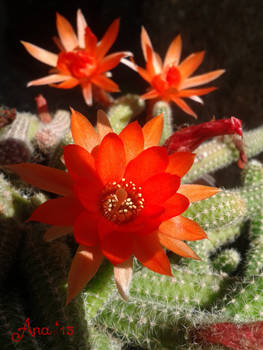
[(110, 159), (88, 191), (145, 41), (59, 211), (182, 228), (133, 141), (145, 75), (115, 245), (84, 266), (157, 61), (197, 192), (79, 161), (83, 132), (173, 54), (197, 99), (143, 72), (183, 105), (150, 95), (81, 25), (66, 33), (196, 92), (87, 93), (123, 277), (180, 163), (110, 62), (90, 41), (174, 206), (152, 131), (43, 177), (49, 79), (67, 84), (148, 163), (41, 54), (103, 124), (150, 66), (149, 252), (201, 79), (177, 246), (130, 63), (190, 64), (85, 229), (55, 232), (105, 83), (108, 39), (158, 188)]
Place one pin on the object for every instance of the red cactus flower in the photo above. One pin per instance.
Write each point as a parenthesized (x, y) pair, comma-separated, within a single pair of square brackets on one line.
[(82, 59), (122, 196), (171, 80)]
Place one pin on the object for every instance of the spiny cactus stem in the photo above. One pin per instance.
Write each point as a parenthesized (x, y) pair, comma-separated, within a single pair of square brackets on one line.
[(215, 154), (165, 109), (123, 110)]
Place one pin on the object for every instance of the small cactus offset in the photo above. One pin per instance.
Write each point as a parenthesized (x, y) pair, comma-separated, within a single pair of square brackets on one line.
[(109, 239)]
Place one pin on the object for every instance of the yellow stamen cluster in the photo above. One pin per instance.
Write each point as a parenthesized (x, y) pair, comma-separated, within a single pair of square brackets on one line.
[(121, 202)]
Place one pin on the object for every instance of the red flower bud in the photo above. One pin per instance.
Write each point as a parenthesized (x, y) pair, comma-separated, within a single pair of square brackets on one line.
[(188, 139), (42, 109)]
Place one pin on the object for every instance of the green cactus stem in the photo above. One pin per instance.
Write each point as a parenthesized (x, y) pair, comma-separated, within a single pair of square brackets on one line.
[(216, 154), (243, 302), (205, 248), (224, 208), (252, 174), (164, 108), (227, 261), (99, 290), (101, 340), (123, 110)]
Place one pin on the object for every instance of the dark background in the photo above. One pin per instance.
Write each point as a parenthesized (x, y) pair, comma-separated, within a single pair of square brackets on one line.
[(230, 31)]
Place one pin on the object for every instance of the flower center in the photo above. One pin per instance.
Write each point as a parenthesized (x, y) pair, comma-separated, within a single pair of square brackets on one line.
[(168, 79), (78, 63), (121, 202), (173, 76)]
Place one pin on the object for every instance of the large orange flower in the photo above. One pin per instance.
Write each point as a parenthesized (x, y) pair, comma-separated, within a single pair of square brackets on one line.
[(123, 198), (82, 59), (171, 80)]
